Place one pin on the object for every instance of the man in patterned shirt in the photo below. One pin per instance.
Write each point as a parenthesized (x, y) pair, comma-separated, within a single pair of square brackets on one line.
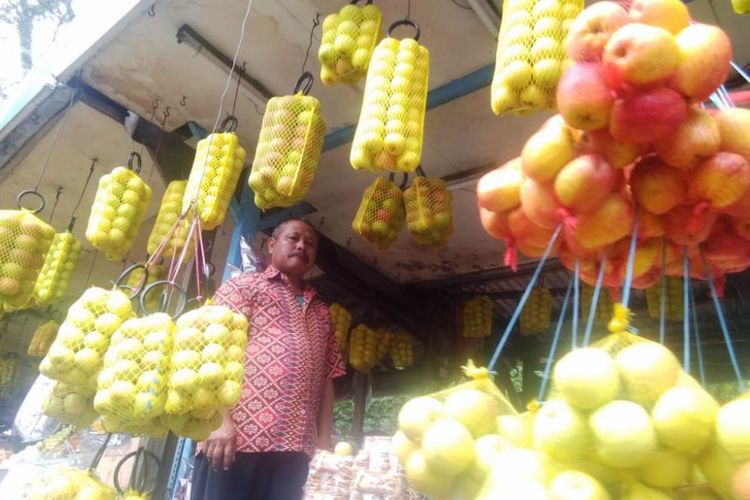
[(263, 448)]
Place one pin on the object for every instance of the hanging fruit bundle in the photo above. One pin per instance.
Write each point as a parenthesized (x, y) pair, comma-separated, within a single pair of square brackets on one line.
[(537, 312), (58, 268), (531, 53), (390, 130), (341, 319), (10, 369), (207, 360), (24, 242), (673, 307), (289, 146), (196, 425), (604, 304), (67, 483), (77, 353), (476, 317), (218, 162), (349, 38), (363, 346), (42, 339), (385, 339), (429, 211), (121, 200), (132, 385), (380, 214), (70, 405), (401, 351), (169, 211), (152, 427)]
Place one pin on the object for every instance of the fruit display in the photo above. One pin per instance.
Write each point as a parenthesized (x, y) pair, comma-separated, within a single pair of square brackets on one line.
[(219, 159), (65, 483), (429, 211), (42, 339), (169, 211), (58, 268), (385, 339), (363, 348), (77, 353), (380, 214), (196, 425), (604, 304), (207, 360), (401, 352), (476, 317), (135, 281), (349, 37), (342, 320), (24, 242), (132, 385), (673, 303), (70, 405), (537, 312), (390, 129), (531, 54), (289, 146), (121, 200)]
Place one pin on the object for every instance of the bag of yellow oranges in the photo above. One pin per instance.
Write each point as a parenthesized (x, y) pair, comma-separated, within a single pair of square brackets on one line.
[(429, 210), (218, 162), (196, 424), (390, 129), (381, 213), (42, 339), (67, 483), (58, 268), (121, 200), (349, 37), (401, 352), (341, 319), (70, 405), (289, 146), (537, 312), (169, 212), (363, 348), (476, 317)]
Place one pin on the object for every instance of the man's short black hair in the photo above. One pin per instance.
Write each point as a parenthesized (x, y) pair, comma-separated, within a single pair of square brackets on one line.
[(281, 225)]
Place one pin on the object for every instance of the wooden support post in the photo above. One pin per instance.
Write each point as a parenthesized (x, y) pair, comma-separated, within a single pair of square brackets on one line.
[(360, 388)]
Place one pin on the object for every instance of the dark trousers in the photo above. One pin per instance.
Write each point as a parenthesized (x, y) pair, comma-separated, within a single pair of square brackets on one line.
[(253, 476)]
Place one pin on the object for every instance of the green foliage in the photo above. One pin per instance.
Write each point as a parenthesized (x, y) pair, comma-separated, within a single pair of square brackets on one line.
[(381, 417)]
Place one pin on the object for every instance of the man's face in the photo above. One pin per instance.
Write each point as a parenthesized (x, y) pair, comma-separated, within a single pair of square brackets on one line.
[(293, 252)]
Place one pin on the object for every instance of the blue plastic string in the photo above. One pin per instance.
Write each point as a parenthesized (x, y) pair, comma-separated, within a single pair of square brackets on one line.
[(686, 316), (594, 302), (576, 304), (723, 324), (555, 340), (522, 302), (629, 266), (697, 338), (663, 290)]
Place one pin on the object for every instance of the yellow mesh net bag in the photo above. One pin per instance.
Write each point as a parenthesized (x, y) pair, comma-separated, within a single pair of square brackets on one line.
[(152, 427), (67, 483), (385, 337), (673, 300), (42, 339), (24, 242), (363, 347), (196, 425), (289, 146), (401, 352), (381, 213), (121, 200), (342, 320), (132, 385), (530, 53), (207, 360), (390, 130), (429, 211), (218, 162), (77, 353), (58, 268), (169, 211), (349, 37), (10, 369), (537, 312), (603, 306), (476, 317), (70, 405)]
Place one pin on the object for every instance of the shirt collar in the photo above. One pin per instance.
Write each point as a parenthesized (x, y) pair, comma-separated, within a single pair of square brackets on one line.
[(272, 273)]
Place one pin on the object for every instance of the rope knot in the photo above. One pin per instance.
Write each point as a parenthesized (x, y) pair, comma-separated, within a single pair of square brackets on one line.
[(620, 321)]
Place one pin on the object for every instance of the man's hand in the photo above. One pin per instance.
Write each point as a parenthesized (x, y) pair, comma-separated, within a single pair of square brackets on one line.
[(221, 445)]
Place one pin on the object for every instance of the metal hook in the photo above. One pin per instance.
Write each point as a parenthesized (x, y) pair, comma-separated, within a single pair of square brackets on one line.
[(166, 113), (152, 10), (155, 105), (182, 101)]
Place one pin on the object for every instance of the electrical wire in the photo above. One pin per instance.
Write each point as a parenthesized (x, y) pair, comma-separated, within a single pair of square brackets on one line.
[(54, 206), (316, 22), (85, 185), (71, 100)]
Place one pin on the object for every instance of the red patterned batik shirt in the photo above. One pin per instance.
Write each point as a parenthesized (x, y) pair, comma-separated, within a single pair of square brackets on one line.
[(291, 353)]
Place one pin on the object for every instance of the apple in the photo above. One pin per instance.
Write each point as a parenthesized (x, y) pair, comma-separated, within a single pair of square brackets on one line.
[(584, 183), (656, 186), (591, 30), (498, 190), (647, 116), (607, 224), (638, 54), (540, 203), (704, 56), (618, 154), (548, 150), (734, 130), (584, 98), (684, 227), (672, 15), (720, 180), (694, 140), (496, 224)]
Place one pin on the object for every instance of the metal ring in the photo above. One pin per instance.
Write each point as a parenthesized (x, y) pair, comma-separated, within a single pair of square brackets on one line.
[(304, 83), (406, 22), (22, 194), (135, 158), (355, 2), (162, 305), (404, 182), (211, 269), (127, 272), (420, 171), (141, 452), (229, 124)]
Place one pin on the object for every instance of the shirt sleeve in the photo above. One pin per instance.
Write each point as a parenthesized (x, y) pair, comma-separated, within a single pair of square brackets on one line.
[(335, 366), (236, 294)]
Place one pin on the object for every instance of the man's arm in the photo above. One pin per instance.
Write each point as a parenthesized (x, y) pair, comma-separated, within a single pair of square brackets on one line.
[(325, 415), (221, 445)]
